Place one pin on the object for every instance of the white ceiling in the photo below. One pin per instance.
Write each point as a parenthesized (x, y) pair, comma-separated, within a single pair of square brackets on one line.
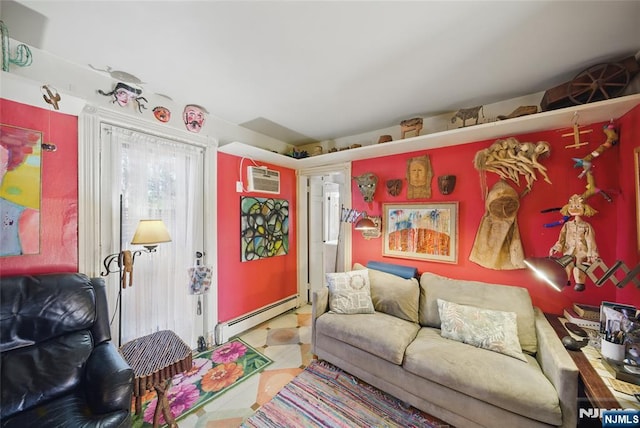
[(329, 69)]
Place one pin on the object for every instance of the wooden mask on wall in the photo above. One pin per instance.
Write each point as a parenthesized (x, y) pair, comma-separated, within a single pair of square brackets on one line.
[(419, 176), (446, 184), (367, 185), (394, 186)]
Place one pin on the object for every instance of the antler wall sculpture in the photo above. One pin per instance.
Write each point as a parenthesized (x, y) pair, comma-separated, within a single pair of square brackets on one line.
[(511, 159)]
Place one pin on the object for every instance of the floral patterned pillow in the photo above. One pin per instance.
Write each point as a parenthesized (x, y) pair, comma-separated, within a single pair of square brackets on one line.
[(350, 292), (493, 330)]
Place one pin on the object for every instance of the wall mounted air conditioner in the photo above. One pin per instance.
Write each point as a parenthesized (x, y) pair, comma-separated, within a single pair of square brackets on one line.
[(263, 180)]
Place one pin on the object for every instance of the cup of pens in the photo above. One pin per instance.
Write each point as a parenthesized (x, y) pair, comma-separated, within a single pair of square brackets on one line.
[(613, 345)]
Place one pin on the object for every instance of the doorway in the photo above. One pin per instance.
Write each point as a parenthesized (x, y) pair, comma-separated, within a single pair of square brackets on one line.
[(323, 246), (143, 174)]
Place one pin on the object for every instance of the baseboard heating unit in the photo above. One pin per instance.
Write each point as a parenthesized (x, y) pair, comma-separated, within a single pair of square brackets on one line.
[(226, 330)]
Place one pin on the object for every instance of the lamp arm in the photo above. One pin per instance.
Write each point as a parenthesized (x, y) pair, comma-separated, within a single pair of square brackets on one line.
[(108, 261), (137, 253), (118, 258)]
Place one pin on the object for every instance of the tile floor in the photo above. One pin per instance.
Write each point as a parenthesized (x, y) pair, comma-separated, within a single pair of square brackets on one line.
[(285, 339)]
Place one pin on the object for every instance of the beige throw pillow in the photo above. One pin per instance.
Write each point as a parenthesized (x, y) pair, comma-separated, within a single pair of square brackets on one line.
[(482, 295), (393, 295), (350, 292), (493, 330)]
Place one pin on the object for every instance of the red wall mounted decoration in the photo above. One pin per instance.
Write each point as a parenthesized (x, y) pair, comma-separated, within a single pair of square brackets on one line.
[(246, 286), (614, 224)]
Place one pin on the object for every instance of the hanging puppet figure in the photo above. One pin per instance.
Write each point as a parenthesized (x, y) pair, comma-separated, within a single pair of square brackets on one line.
[(124, 93), (577, 239)]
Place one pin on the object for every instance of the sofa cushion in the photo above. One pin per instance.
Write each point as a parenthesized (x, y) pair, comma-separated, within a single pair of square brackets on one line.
[(349, 292), (492, 330), (380, 334), (393, 295), (489, 296), (67, 411), (41, 372), (32, 312), (487, 376)]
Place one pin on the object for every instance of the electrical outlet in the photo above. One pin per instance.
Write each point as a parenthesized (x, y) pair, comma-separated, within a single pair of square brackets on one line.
[(239, 186)]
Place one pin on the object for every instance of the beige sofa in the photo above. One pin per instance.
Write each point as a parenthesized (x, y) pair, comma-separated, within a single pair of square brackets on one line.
[(400, 350)]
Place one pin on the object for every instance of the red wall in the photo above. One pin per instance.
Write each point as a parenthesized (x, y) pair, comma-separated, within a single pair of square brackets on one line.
[(612, 224), (59, 200), (246, 286), (627, 242)]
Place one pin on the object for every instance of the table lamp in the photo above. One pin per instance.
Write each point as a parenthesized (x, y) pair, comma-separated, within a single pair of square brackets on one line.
[(150, 233)]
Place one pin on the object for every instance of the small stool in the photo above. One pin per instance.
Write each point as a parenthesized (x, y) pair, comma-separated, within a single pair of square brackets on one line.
[(155, 359)]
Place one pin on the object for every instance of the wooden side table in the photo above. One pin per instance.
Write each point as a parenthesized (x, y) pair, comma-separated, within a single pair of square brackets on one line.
[(595, 390), (155, 359)]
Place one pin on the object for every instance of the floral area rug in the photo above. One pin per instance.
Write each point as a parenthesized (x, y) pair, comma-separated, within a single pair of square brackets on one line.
[(213, 372), (325, 396)]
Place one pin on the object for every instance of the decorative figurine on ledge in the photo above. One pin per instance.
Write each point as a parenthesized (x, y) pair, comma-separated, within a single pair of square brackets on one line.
[(577, 239), (465, 114), (298, 154), (385, 139), (411, 125), (520, 111)]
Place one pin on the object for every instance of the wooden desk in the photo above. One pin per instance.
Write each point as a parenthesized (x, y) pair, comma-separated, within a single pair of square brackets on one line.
[(591, 384), (155, 359)]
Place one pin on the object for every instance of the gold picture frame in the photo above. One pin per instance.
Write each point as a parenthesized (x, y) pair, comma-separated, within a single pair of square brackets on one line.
[(421, 231)]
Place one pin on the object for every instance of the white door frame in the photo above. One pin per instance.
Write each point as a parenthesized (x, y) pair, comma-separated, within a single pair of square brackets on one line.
[(90, 251), (303, 224)]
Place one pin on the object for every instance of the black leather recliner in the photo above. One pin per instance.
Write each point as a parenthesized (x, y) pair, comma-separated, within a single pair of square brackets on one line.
[(59, 367)]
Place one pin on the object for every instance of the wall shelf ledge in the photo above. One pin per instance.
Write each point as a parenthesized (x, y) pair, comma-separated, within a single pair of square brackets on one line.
[(600, 111)]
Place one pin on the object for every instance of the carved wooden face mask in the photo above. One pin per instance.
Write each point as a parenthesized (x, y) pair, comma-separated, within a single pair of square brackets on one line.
[(394, 187), (446, 184), (367, 185)]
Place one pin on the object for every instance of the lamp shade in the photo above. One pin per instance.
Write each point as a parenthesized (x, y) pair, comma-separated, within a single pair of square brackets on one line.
[(550, 270), (365, 223), (150, 232)]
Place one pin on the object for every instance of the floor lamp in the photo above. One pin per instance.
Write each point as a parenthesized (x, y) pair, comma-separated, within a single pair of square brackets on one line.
[(149, 233)]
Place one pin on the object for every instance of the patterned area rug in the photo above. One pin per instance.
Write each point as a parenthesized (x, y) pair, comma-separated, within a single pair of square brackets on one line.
[(325, 396), (213, 373)]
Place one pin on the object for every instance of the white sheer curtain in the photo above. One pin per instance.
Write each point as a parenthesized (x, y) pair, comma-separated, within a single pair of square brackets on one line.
[(158, 179)]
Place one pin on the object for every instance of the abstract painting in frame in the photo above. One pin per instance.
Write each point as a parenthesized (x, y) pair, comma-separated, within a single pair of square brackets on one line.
[(20, 190), (424, 231), (264, 227)]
